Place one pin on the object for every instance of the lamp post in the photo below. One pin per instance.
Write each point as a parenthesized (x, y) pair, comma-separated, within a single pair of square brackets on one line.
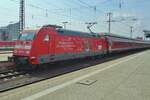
[(64, 23), (22, 15), (131, 31)]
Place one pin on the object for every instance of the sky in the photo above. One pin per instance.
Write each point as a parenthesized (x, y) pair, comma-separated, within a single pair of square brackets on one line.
[(78, 12)]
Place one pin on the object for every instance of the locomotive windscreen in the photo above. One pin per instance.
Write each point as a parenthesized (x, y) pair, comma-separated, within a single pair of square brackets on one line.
[(27, 36)]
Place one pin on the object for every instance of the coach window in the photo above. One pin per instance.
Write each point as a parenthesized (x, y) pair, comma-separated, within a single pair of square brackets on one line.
[(46, 38)]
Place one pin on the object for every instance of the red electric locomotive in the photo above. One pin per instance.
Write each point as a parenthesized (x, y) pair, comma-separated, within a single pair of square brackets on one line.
[(52, 43)]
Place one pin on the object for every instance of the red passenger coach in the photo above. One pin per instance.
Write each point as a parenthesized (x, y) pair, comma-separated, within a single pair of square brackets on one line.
[(51, 44), (7, 44), (118, 43)]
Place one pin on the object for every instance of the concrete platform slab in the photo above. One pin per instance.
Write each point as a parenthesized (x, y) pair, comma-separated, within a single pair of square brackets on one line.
[(4, 57)]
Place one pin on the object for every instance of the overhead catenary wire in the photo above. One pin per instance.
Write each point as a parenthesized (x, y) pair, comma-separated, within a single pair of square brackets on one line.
[(82, 4), (52, 11)]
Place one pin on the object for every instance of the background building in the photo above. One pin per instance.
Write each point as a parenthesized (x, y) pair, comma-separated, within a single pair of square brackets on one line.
[(9, 32)]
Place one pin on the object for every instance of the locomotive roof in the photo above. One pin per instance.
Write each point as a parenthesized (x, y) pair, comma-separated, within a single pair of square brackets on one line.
[(76, 33)]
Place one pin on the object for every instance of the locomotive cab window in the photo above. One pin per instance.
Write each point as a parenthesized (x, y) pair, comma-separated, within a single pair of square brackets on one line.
[(27, 36), (46, 38)]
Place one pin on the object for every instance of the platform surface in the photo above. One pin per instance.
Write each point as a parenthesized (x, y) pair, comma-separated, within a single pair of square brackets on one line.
[(126, 78), (4, 57)]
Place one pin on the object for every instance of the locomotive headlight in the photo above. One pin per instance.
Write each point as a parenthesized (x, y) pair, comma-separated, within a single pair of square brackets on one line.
[(15, 51), (27, 52), (99, 47), (33, 58)]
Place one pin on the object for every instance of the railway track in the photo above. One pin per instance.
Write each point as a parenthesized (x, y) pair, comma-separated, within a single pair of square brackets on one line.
[(12, 79), (11, 74), (9, 52), (6, 65)]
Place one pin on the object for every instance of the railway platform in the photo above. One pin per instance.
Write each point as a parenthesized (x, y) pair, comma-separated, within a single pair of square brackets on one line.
[(126, 78), (4, 55)]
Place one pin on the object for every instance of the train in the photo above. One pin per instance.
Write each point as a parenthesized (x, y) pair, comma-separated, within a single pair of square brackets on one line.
[(52, 43), (7, 44)]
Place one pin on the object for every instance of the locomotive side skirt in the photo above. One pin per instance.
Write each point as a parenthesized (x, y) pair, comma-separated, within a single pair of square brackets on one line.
[(67, 56)]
